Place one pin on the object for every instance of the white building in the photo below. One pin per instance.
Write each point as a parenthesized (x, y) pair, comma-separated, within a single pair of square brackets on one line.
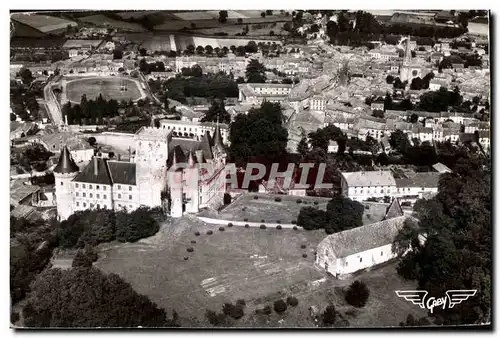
[(346, 252), (417, 185), (361, 185), (193, 129)]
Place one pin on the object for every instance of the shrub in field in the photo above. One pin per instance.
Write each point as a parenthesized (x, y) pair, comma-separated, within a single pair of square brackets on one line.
[(190, 249), (262, 226), (357, 294), (278, 227), (209, 232), (315, 202), (221, 229), (186, 258), (278, 199), (303, 246), (256, 197), (299, 201), (246, 225), (233, 311), (216, 319), (262, 221), (278, 221), (197, 233), (280, 306), (295, 228), (329, 315), (292, 301), (241, 302), (14, 317), (245, 219), (227, 198), (82, 260), (304, 255), (230, 224), (294, 222), (193, 242)]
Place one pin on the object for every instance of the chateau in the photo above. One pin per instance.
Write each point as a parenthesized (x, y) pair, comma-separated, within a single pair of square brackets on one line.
[(164, 172)]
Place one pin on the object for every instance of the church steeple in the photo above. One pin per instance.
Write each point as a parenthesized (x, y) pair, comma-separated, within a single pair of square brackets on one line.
[(218, 144), (407, 58)]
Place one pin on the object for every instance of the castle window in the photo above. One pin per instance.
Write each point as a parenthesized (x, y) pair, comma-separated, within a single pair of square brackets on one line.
[(77, 204), (90, 186), (77, 194), (381, 253), (61, 183), (91, 205), (83, 186), (130, 206), (84, 195), (119, 195), (119, 187), (129, 188), (97, 196), (119, 205), (346, 263), (84, 204), (104, 196), (129, 197), (360, 259), (98, 206), (90, 195), (97, 187), (76, 185), (104, 188), (104, 206)]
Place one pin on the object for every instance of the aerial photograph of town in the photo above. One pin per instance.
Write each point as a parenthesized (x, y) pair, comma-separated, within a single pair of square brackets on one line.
[(250, 169)]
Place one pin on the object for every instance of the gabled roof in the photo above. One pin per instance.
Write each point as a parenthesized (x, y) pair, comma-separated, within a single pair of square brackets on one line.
[(122, 172), (99, 176), (66, 165), (369, 178), (360, 239), (394, 210)]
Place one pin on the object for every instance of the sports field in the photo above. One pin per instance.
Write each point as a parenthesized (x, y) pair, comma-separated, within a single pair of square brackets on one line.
[(109, 87)]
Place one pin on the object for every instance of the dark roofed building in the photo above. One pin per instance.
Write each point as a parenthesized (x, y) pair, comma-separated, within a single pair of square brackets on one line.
[(66, 165), (95, 172), (122, 172)]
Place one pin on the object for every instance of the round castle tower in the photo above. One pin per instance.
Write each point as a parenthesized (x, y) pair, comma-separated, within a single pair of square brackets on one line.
[(64, 172)]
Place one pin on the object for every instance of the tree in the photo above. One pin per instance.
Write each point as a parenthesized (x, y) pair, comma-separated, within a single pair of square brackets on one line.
[(251, 47), (217, 112), (26, 76), (269, 12), (143, 51), (263, 14), (130, 227), (303, 146), (406, 104), (223, 16), (387, 102), (311, 218), (389, 79), (209, 49), (255, 72), (13, 117), (357, 294), (82, 260), (240, 21), (280, 306), (417, 84), (399, 141), (92, 141), (343, 214), (87, 298), (378, 113), (200, 50), (329, 315), (413, 118), (117, 54)]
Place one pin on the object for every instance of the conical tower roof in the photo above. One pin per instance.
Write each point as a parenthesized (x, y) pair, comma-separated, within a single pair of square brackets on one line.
[(66, 165), (191, 159), (218, 145)]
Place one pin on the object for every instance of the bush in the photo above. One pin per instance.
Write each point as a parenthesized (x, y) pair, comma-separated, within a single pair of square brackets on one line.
[(216, 319), (190, 249), (295, 228), (304, 255), (247, 226), (294, 222), (222, 229), (197, 233), (329, 315), (262, 221), (186, 258), (130, 227), (292, 301), (278, 222), (209, 232), (233, 311), (230, 225), (316, 203), (262, 226), (299, 201), (278, 227), (357, 294), (280, 306), (241, 302), (303, 246), (245, 219), (278, 199), (227, 199), (193, 242), (82, 260), (256, 197)]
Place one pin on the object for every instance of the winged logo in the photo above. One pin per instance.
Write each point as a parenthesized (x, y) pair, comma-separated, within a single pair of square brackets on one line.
[(416, 297), (458, 296)]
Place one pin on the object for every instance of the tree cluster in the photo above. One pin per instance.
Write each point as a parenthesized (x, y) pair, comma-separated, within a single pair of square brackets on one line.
[(457, 253), (92, 227), (90, 111), (255, 72), (88, 298), (357, 294), (214, 85), (341, 214), (259, 133), (217, 112), (34, 157)]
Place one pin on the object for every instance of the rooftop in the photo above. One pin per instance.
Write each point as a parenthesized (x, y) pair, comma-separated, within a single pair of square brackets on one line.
[(420, 180), (369, 178)]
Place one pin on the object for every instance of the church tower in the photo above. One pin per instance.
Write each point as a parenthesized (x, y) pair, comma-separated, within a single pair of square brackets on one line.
[(405, 68), (64, 172)]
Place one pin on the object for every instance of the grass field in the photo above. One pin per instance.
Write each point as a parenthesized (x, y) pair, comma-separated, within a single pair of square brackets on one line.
[(259, 266), (109, 87), (286, 211)]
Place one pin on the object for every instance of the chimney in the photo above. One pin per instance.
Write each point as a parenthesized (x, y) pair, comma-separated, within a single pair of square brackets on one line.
[(119, 157), (96, 171)]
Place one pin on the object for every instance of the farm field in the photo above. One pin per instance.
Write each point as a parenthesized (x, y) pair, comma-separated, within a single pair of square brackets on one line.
[(259, 266), (109, 87), (43, 23), (102, 20)]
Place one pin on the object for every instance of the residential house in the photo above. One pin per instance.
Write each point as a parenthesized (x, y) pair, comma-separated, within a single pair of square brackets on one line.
[(361, 185)]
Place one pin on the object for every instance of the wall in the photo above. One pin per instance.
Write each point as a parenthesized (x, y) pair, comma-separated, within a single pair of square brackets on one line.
[(119, 141), (216, 221)]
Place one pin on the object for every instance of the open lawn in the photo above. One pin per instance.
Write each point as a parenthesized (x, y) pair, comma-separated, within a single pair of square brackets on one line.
[(259, 266), (109, 87)]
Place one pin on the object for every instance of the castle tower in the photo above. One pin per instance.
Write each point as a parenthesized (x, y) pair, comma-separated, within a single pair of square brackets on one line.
[(218, 149), (220, 157), (191, 190), (151, 165), (64, 172)]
